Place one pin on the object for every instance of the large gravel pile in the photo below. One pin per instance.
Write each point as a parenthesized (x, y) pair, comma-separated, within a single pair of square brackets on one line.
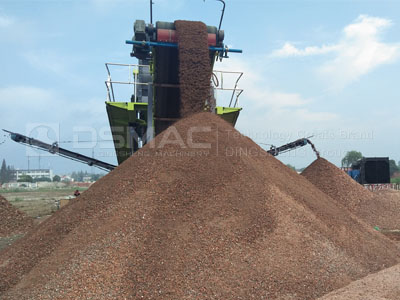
[(12, 220), (377, 209), (383, 285), (201, 213), (194, 66)]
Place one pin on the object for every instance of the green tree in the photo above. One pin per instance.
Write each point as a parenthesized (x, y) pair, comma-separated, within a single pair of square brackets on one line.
[(395, 180), (42, 179), (56, 178), (3, 172), (350, 158), (25, 178), (78, 176), (393, 168), (10, 173), (96, 177)]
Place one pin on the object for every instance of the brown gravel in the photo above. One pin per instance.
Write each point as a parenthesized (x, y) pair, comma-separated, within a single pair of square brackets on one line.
[(12, 220), (380, 209), (389, 194), (384, 285), (194, 66), (183, 220)]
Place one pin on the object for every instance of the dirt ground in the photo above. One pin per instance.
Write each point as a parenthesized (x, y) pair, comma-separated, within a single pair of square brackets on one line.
[(38, 203)]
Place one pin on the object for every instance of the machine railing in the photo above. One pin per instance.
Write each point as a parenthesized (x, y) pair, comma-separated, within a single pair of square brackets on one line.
[(219, 79), (224, 81), (133, 73)]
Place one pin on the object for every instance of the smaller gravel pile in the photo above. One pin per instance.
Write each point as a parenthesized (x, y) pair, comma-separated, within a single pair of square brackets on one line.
[(12, 221), (383, 285), (377, 209)]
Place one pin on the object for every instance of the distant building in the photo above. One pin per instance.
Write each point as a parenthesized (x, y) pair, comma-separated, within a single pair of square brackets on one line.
[(34, 173), (66, 178), (87, 179)]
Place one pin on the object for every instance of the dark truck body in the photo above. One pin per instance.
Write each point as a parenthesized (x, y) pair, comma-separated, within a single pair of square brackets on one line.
[(371, 170)]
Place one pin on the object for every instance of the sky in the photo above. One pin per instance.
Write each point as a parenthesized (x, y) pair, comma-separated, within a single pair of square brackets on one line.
[(323, 68)]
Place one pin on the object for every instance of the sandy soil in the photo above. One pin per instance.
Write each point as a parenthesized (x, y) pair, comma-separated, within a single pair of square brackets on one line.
[(384, 285)]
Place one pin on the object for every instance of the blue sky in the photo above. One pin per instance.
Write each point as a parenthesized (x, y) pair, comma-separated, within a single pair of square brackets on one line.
[(323, 68)]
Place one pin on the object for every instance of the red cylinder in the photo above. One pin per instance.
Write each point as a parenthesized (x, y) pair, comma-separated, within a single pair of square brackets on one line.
[(169, 36), (166, 35), (212, 39)]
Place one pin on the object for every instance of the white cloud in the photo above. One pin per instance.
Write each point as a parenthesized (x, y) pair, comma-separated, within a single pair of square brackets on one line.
[(365, 26), (6, 21), (279, 108), (359, 51), (47, 115), (19, 96), (23, 105), (258, 91), (290, 50), (47, 61), (26, 104), (311, 116)]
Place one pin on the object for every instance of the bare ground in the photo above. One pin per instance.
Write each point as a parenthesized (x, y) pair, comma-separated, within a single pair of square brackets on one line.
[(37, 203)]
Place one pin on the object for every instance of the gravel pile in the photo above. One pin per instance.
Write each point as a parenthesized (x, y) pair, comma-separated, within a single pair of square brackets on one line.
[(194, 66), (383, 285), (391, 195), (201, 213), (12, 220), (377, 209)]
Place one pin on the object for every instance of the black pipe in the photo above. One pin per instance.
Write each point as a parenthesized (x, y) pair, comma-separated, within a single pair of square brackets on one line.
[(222, 16), (151, 11)]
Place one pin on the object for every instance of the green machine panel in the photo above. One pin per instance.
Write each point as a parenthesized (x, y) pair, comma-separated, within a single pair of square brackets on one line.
[(128, 123), (229, 114)]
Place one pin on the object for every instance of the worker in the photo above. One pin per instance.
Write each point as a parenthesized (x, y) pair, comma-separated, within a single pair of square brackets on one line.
[(77, 193)]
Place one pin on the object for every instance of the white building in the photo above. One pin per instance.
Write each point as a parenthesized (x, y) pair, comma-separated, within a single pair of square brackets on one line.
[(34, 173)]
